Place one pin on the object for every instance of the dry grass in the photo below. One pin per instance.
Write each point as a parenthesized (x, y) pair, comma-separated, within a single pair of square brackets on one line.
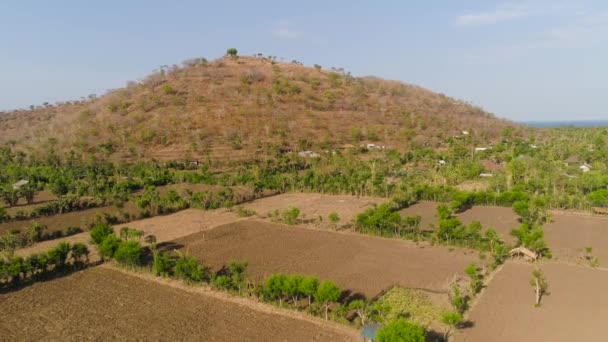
[(231, 107)]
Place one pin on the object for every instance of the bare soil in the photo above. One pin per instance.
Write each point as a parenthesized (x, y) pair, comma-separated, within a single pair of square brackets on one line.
[(313, 205), (362, 264), (106, 304), (165, 228), (570, 233), (81, 218), (575, 309)]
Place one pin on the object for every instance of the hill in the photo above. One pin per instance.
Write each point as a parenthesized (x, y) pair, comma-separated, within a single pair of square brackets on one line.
[(233, 108)]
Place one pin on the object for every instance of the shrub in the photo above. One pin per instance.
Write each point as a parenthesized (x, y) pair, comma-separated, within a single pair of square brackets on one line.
[(100, 231), (400, 331), (162, 264), (188, 269), (128, 253), (290, 216), (108, 246)]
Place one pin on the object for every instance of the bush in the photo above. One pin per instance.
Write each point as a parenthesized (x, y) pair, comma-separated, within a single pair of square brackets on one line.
[(188, 269), (290, 216), (128, 253), (108, 246), (400, 331), (162, 264), (100, 231)]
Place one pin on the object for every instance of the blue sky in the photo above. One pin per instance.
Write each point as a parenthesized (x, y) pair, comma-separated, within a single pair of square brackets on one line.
[(523, 60)]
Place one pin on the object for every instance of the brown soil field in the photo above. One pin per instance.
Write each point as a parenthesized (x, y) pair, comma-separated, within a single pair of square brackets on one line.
[(81, 218), (41, 197), (575, 309), (500, 218), (359, 263), (570, 233), (313, 205), (165, 228), (426, 210), (106, 304)]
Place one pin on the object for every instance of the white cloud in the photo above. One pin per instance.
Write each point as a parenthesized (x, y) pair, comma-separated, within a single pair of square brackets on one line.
[(499, 14), (517, 9), (283, 30)]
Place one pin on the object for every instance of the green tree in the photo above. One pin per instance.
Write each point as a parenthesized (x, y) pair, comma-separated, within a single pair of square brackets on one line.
[(291, 287), (475, 283), (162, 264), (274, 287), (80, 253), (237, 273), (362, 308), (400, 331), (308, 287), (187, 268), (540, 285), (232, 52), (100, 231), (452, 320), (128, 253), (327, 293), (108, 246)]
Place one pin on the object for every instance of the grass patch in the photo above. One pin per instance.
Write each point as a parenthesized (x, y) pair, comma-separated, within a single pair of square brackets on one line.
[(414, 305)]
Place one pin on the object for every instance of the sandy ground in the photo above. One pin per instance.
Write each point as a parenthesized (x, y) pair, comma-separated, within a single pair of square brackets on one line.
[(575, 310), (313, 205), (362, 264), (105, 304)]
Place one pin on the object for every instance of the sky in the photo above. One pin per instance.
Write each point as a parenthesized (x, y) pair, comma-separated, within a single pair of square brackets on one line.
[(523, 60)]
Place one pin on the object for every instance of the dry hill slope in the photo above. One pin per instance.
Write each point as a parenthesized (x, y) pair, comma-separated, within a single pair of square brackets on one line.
[(233, 107)]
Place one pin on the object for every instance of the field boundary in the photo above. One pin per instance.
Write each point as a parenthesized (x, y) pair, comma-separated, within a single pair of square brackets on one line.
[(257, 306)]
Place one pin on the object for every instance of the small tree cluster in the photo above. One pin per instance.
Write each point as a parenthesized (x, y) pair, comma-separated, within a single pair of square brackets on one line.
[(65, 257)]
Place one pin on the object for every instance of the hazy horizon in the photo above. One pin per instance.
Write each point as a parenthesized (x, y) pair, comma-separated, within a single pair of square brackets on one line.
[(530, 60)]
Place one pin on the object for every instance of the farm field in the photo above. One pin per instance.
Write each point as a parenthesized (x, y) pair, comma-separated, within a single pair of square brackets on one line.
[(165, 228), (105, 304), (574, 310), (567, 235), (81, 218), (362, 264), (314, 205)]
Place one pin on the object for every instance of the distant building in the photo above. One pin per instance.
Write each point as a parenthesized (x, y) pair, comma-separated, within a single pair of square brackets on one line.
[(585, 167), (19, 184), (308, 154)]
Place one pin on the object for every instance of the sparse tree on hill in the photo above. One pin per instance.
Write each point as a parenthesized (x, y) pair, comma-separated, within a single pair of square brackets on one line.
[(232, 52)]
